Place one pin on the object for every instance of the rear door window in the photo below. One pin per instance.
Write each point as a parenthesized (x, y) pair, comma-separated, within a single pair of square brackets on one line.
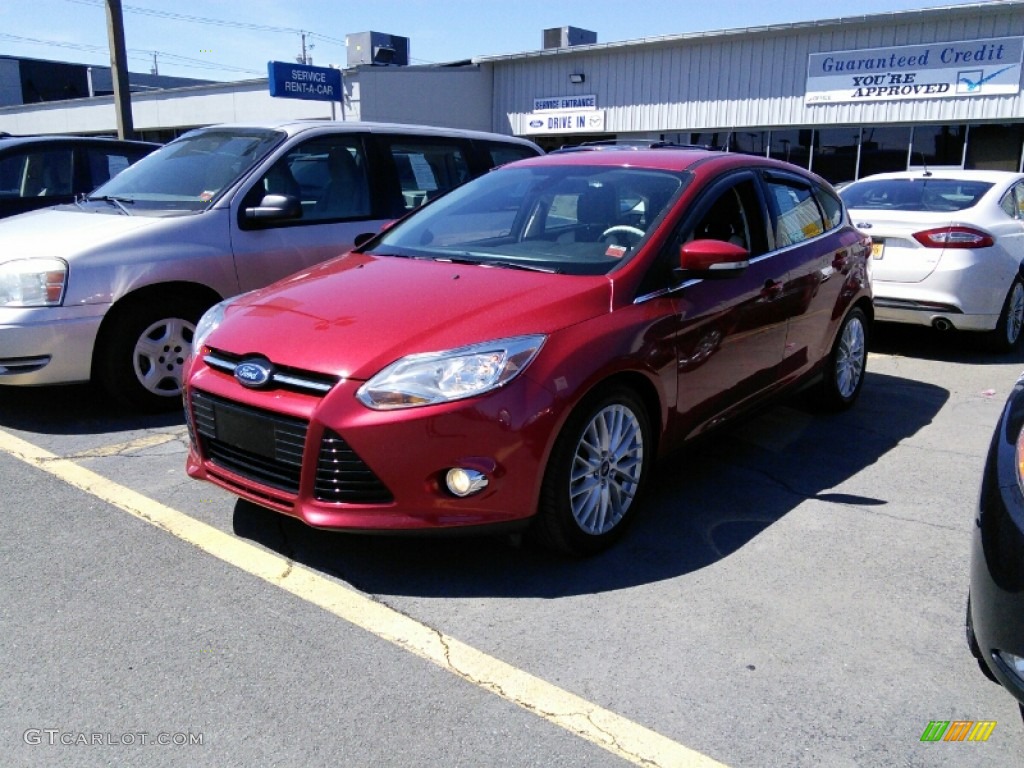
[(37, 173), (427, 168), (797, 216)]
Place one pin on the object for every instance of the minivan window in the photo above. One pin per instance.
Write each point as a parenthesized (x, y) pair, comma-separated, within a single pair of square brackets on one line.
[(191, 172), (427, 169), (327, 174)]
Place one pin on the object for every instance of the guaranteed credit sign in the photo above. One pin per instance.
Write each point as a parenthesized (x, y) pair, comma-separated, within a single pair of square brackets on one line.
[(303, 81), (987, 67)]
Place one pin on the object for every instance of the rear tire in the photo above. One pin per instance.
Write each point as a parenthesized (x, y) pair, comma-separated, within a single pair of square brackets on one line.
[(141, 359), (847, 362), (1007, 333), (598, 468)]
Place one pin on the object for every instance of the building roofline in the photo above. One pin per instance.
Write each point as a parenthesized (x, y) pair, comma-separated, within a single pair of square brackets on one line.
[(891, 17)]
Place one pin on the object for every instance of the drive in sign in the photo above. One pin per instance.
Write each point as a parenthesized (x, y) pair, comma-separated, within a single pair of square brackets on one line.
[(302, 81)]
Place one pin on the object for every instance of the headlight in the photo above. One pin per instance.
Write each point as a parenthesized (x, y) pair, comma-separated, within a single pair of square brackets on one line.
[(207, 324), (32, 282), (440, 377)]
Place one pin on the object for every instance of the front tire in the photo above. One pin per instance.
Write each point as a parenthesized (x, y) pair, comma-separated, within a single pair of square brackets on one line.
[(598, 468), (846, 363), (141, 359)]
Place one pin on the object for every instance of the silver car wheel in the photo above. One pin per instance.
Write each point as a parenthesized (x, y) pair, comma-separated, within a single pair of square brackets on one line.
[(160, 354), (1015, 313), (606, 469), (850, 356)]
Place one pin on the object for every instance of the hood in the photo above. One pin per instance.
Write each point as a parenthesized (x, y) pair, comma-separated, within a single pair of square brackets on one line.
[(64, 231), (354, 315)]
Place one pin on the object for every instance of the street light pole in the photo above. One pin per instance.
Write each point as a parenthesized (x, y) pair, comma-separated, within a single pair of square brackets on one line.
[(119, 70)]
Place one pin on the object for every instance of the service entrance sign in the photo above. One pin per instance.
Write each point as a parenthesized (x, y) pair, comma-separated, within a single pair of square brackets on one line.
[(303, 81)]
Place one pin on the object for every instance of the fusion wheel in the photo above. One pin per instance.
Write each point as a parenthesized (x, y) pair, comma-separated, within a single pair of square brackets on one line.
[(1007, 333)]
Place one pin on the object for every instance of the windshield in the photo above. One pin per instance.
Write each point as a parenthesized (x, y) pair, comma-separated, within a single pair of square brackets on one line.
[(924, 194), (190, 173), (572, 219)]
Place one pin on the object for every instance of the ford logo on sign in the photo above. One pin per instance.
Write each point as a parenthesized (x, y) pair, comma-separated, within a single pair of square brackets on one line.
[(536, 123), (254, 373)]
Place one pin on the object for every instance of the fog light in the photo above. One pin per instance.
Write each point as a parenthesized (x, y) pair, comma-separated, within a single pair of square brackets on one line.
[(465, 482)]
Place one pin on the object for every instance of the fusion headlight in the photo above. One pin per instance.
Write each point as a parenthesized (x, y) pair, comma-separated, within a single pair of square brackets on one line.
[(32, 282), (207, 324), (455, 374)]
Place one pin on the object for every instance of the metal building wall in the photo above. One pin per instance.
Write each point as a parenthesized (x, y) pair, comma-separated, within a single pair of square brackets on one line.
[(748, 78)]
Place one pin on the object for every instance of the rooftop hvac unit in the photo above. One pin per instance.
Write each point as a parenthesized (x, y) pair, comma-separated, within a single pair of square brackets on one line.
[(564, 37), (377, 48)]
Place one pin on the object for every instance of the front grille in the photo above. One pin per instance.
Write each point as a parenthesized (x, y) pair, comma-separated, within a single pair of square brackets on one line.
[(342, 477), (258, 445), (282, 376)]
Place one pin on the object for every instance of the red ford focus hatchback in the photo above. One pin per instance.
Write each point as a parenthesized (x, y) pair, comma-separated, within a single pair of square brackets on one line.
[(523, 349)]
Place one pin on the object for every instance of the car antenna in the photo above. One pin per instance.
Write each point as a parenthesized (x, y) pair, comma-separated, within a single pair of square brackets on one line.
[(924, 165)]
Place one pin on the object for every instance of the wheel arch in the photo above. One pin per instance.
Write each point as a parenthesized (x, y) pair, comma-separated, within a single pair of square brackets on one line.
[(181, 290)]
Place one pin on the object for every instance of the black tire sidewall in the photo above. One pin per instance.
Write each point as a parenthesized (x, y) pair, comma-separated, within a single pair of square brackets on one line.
[(555, 526), (831, 397), (115, 359)]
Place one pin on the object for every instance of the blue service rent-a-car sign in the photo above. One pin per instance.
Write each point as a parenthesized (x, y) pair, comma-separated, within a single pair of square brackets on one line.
[(302, 81)]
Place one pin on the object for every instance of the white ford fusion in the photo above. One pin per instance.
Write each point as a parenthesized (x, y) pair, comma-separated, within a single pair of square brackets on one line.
[(947, 249)]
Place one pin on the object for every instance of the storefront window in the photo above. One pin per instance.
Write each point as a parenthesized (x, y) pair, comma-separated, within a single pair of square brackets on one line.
[(995, 147), (792, 146), (749, 142), (883, 150), (835, 154), (936, 145)]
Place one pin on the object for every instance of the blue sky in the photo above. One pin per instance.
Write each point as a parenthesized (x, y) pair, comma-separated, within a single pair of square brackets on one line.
[(234, 39)]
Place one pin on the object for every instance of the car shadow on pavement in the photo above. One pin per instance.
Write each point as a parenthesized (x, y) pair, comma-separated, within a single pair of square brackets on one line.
[(75, 409), (705, 503), (944, 346)]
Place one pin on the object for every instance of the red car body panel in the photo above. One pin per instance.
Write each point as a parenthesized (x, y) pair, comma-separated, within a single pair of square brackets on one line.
[(696, 355)]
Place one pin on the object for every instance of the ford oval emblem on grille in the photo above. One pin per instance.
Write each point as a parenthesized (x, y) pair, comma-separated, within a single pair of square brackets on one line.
[(254, 373), (863, 225)]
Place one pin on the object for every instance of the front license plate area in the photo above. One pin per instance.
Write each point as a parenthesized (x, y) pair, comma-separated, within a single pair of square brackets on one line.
[(877, 249), (243, 430)]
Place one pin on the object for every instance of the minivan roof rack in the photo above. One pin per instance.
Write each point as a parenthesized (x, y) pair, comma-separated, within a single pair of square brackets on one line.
[(626, 144)]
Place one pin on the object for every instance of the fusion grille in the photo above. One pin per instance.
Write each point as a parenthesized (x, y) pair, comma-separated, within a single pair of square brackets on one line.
[(256, 444), (341, 476)]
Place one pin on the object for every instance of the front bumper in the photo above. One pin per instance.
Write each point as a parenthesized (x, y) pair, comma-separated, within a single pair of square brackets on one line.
[(336, 464), (997, 560), (48, 345)]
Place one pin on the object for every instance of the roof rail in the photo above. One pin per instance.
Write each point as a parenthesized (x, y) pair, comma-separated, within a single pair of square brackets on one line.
[(627, 144)]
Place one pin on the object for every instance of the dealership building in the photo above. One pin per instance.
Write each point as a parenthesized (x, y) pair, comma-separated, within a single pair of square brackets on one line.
[(845, 97)]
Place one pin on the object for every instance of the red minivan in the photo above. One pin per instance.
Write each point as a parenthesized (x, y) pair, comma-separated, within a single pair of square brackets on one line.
[(523, 349)]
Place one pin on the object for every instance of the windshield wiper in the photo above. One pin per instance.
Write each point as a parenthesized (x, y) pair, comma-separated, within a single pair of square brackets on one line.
[(114, 200), (486, 261)]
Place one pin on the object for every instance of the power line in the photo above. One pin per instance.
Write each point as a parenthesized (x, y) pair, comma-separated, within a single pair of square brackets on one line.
[(136, 54)]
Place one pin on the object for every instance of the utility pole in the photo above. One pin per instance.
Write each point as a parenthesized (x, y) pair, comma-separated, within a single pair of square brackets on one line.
[(304, 57), (155, 70), (119, 70)]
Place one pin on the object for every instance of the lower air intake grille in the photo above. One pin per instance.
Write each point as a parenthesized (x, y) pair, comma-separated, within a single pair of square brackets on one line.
[(253, 443), (341, 476)]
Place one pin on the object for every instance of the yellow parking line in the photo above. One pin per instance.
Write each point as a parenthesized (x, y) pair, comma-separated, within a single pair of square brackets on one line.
[(616, 734), (141, 443)]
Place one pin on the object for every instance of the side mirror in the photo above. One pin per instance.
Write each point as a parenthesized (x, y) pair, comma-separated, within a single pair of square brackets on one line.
[(712, 259), (275, 208)]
